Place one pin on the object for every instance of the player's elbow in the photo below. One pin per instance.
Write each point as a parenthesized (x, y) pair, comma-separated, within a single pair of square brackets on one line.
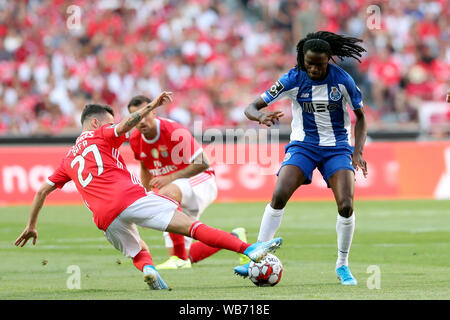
[(120, 130), (44, 190), (205, 165), (360, 115), (246, 112)]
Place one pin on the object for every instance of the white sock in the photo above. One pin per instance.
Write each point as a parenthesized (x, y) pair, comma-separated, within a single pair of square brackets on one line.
[(344, 229), (270, 223), (167, 240), (187, 243)]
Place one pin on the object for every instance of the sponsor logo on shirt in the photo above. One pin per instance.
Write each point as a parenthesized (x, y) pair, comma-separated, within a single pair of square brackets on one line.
[(304, 95), (157, 164), (318, 107), (276, 89), (163, 170)]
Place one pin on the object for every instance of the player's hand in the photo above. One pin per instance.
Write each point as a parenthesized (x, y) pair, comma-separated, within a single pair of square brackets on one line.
[(163, 98), (448, 96), (160, 181), (359, 162), (27, 234), (269, 118)]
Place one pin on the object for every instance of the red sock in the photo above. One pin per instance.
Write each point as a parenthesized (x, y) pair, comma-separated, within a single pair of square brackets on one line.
[(200, 251), (142, 259), (216, 237), (179, 248)]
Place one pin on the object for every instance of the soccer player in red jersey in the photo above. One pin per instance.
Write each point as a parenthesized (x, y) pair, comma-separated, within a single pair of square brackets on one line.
[(174, 162), (118, 201)]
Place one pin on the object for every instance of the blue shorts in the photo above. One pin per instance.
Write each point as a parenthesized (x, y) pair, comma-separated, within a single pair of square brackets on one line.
[(328, 160)]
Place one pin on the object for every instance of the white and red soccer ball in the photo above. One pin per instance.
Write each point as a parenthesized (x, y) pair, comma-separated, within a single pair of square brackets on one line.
[(267, 272)]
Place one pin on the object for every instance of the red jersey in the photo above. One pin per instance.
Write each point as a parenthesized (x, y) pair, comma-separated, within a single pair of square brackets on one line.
[(173, 148), (100, 174)]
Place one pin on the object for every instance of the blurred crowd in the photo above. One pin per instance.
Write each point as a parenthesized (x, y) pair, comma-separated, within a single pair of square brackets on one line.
[(216, 56)]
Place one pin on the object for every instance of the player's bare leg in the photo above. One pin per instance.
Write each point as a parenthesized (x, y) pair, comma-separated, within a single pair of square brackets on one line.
[(186, 226), (342, 183), (144, 246), (289, 179), (179, 247), (172, 191), (175, 243)]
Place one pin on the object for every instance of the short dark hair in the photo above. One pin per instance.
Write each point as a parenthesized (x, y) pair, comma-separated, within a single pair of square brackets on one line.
[(95, 109), (138, 100)]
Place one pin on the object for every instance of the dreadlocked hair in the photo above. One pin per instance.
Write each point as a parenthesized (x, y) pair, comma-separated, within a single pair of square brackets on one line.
[(329, 43)]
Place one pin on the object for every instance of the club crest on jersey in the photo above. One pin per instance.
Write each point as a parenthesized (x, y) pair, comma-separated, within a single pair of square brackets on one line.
[(276, 89), (155, 153), (163, 151), (287, 157), (335, 94)]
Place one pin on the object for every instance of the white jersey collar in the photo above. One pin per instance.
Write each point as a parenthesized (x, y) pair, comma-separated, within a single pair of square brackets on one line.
[(158, 131)]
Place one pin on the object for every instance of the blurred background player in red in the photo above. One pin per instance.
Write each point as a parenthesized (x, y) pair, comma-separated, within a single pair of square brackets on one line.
[(173, 162)]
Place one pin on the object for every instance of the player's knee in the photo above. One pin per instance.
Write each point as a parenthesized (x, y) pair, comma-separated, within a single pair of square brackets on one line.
[(279, 200), (143, 245), (345, 208), (180, 223), (172, 191)]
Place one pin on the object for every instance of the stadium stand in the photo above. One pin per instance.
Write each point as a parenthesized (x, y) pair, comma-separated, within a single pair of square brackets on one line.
[(216, 56)]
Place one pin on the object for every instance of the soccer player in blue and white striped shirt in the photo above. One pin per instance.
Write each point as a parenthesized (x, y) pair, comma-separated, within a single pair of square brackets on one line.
[(321, 134)]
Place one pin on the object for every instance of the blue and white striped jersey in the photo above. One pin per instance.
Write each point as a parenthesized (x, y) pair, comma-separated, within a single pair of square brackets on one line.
[(319, 108)]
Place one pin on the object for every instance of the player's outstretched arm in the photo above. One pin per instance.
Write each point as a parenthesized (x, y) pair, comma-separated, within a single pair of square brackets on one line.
[(267, 118), (360, 138), (133, 119), (31, 228)]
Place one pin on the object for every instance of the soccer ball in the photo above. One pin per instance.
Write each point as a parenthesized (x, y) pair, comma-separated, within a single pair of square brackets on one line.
[(267, 272)]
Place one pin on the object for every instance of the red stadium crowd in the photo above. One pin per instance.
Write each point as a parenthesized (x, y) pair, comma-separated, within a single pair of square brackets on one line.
[(216, 56)]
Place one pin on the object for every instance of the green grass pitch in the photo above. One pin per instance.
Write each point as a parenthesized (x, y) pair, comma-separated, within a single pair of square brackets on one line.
[(409, 241)]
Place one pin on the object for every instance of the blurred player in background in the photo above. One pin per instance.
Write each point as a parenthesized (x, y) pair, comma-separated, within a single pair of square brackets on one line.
[(321, 135), (117, 199), (173, 162)]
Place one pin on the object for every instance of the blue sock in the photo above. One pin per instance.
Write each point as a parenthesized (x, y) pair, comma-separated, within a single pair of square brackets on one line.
[(149, 266)]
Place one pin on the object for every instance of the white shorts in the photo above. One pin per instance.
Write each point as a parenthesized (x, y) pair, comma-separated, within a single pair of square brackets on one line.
[(197, 193), (152, 211)]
